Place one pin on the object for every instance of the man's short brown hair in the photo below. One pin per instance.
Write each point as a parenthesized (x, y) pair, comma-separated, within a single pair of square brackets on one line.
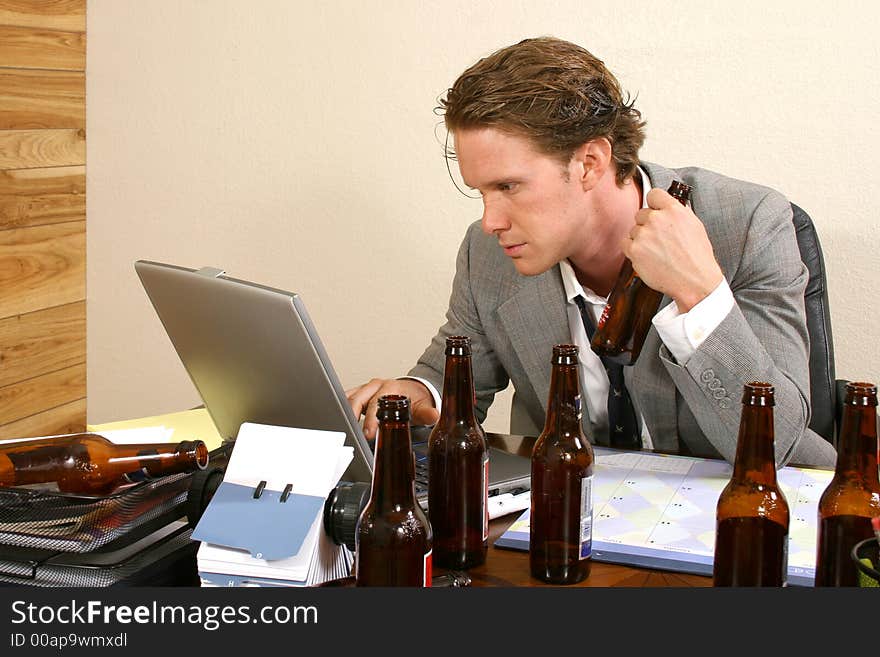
[(552, 92)]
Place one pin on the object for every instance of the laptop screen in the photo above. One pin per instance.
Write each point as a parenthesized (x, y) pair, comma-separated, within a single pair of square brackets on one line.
[(253, 354)]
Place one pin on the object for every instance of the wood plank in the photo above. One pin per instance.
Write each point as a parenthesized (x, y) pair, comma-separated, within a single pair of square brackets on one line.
[(36, 197), (30, 47), (69, 418), (41, 267), (42, 393), (24, 149), (50, 14), (38, 343), (42, 99)]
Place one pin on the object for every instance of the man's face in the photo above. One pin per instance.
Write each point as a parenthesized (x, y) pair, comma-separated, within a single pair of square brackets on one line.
[(531, 202)]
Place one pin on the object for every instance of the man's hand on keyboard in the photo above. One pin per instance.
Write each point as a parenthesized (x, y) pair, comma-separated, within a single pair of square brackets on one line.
[(364, 398)]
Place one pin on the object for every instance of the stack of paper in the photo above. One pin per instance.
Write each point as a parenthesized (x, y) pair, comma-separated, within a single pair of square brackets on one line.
[(264, 524)]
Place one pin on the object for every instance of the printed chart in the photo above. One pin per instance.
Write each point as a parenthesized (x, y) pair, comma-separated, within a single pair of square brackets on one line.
[(659, 511)]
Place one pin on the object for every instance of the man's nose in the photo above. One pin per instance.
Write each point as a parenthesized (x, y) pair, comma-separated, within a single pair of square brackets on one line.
[(493, 220)]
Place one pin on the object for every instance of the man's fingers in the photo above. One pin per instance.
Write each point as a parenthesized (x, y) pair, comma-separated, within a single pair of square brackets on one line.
[(658, 199), (371, 422), (364, 400), (424, 412), (359, 397)]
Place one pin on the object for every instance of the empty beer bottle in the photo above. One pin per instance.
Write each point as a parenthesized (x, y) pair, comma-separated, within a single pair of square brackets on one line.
[(631, 306), (89, 464), (751, 518), (852, 497), (393, 538), (458, 468), (561, 515)]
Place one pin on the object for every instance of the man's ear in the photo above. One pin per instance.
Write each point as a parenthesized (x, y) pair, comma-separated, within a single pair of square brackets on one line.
[(592, 160)]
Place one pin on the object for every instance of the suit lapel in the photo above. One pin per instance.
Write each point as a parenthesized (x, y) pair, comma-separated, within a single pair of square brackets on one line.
[(535, 320), (653, 394)]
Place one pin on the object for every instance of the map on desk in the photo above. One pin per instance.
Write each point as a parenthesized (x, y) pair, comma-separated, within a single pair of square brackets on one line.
[(658, 511)]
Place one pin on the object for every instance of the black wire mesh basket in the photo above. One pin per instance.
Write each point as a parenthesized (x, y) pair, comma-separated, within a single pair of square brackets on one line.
[(49, 520)]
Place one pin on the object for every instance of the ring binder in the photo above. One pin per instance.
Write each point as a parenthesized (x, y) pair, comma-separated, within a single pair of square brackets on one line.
[(264, 520)]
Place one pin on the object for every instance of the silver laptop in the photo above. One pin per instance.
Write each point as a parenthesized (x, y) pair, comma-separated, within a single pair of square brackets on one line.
[(254, 355)]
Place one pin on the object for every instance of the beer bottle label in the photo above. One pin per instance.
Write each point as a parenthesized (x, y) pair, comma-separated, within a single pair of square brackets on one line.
[(604, 317), (784, 577), (427, 569), (486, 498), (586, 517)]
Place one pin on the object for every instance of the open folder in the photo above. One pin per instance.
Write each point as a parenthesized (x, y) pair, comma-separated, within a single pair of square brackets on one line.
[(263, 526)]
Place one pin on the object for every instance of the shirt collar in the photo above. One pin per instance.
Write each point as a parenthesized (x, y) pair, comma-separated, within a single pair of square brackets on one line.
[(572, 286)]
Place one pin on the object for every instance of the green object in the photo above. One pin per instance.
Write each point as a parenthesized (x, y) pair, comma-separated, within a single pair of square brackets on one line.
[(866, 580)]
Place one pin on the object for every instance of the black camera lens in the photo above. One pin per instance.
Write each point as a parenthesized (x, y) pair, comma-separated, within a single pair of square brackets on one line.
[(342, 510)]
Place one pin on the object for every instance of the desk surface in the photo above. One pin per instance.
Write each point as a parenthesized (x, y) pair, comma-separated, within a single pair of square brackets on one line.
[(503, 567)]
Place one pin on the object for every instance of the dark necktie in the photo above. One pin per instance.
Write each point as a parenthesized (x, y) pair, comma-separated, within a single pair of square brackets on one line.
[(623, 427)]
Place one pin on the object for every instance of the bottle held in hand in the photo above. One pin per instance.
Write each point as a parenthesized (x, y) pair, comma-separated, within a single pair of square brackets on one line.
[(631, 306)]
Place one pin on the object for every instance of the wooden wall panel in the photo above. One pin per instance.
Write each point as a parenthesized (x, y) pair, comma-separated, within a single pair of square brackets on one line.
[(69, 418), (24, 149), (42, 99), (28, 47), (42, 266), (42, 217), (38, 343), (35, 395), (52, 14), (35, 197)]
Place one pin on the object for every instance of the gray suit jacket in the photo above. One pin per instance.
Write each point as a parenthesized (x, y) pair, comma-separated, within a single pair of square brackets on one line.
[(691, 408)]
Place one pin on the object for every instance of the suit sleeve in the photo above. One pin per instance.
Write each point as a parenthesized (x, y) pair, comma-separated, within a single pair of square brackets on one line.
[(763, 338), (463, 318)]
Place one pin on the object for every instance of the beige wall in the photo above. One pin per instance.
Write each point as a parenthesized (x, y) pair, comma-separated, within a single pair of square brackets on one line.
[(294, 144)]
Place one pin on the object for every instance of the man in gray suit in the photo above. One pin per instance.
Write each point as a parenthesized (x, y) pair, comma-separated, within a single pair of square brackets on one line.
[(544, 133)]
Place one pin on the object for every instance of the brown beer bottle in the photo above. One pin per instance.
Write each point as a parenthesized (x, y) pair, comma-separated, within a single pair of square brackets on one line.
[(852, 497), (458, 468), (393, 540), (751, 518), (631, 306), (561, 515), (89, 464)]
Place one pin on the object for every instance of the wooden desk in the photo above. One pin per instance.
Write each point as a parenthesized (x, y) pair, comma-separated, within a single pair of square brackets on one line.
[(505, 567)]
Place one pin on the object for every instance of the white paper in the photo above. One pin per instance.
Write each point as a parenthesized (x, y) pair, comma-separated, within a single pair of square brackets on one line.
[(312, 462)]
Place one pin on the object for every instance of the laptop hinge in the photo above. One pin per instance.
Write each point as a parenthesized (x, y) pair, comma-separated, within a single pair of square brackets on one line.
[(210, 272)]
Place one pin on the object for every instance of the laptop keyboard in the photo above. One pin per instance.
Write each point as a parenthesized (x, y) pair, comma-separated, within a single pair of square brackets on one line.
[(421, 472)]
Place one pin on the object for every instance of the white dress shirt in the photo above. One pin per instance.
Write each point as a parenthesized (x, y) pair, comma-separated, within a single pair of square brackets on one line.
[(682, 333)]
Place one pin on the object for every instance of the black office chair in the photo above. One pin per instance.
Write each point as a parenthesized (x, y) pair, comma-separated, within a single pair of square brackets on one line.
[(826, 392)]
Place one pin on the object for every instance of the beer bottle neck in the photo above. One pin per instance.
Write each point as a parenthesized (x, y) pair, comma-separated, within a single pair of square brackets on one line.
[(457, 406), (394, 469), (857, 445), (162, 458), (754, 451), (564, 411)]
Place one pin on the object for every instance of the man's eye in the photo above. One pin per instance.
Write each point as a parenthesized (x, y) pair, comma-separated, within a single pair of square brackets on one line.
[(506, 187)]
